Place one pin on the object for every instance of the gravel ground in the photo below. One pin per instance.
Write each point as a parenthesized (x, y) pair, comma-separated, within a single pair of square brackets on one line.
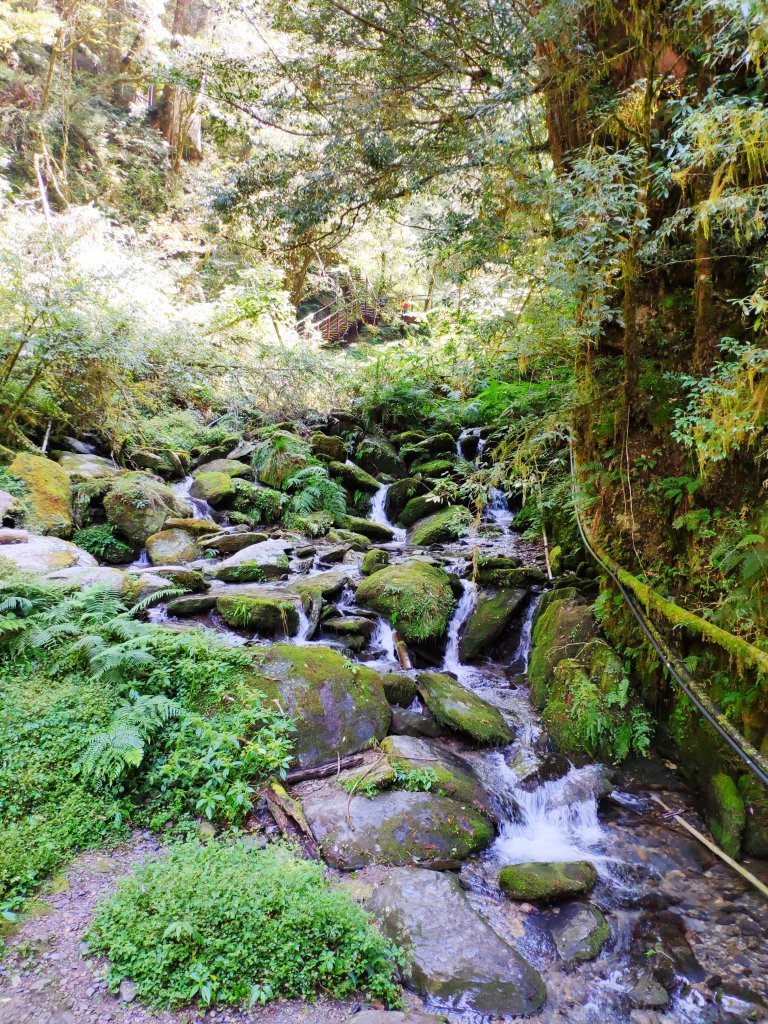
[(45, 979)]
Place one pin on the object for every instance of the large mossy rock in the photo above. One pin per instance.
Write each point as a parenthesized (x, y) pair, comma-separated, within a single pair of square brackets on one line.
[(446, 525), (563, 625), (327, 447), (418, 507), (454, 776), (28, 552), (374, 560), (48, 497), (416, 598), (257, 563), (230, 467), (377, 456), (755, 798), (579, 931), (546, 882), (395, 828), (266, 616), (454, 957), (437, 444), (261, 504), (490, 621), (213, 487), (726, 813), (171, 547), (353, 477), (456, 708), (339, 706), (365, 528), (80, 468), (400, 493), (138, 506)]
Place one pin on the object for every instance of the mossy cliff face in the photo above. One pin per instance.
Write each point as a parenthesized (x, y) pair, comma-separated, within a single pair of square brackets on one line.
[(138, 506), (339, 707), (462, 711), (48, 498), (563, 625), (416, 598)]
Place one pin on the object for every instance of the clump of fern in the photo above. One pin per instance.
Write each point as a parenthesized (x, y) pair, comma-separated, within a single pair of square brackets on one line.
[(314, 491), (278, 457)]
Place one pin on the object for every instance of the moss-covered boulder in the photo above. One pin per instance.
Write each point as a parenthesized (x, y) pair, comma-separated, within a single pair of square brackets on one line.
[(453, 956), (339, 706), (513, 579), (197, 527), (365, 528), (437, 444), (462, 711), (449, 524), (399, 688), (229, 543), (563, 625), (374, 560), (48, 495), (490, 621), (328, 447), (138, 505), (88, 467), (396, 828), (257, 563), (579, 931), (400, 493), (171, 547), (435, 469), (353, 477), (214, 487), (261, 504), (453, 775), (755, 799), (377, 456), (266, 616), (547, 882), (229, 467), (726, 813), (190, 580), (416, 598), (418, 507)]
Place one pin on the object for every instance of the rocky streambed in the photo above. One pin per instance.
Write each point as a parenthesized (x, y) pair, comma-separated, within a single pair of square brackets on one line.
[(518, 882)]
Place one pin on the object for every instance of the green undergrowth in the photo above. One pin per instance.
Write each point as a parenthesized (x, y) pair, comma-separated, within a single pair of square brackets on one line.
[(106, 720), (224, 924)]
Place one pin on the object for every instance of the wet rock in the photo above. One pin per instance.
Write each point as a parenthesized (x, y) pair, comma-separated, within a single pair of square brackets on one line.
[(48, 498), (353, 541), (490, 621), (547, 881), (454, 775), (400, 493), (646, 992), (395, 828), (553, 767), (365, 528), (513, 578), (414, 722), (394, 1017), (399, 688), (726, 813), (88, 467), (325, 584), (329, 448), (755, 800), (377, 456), (738, 1004), (231, 467), (171, 547), (335, 554), (187, 579), (374, 560), (215, 488), (437, 444), (231, 543), (560, 631), (266, 616), (415, 596), (435, 468), (45, 554), (339, 706), (417, 508), (453, 955), (257, 563), (349, 625), (165, 463), (446, 525), (138, 505), (579, 931), (353, 477), (668, 952), (199, 527), (462, 711)]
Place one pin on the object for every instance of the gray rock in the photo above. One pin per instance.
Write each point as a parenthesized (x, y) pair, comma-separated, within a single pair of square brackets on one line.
[(256, 563), (454, 956), (231, 543), (46, 555), (88, 467), (455, 777), (171, 547), (579, 931)]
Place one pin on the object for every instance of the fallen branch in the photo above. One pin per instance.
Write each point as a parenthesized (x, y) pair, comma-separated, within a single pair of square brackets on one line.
[(285, 810), (323, 771)]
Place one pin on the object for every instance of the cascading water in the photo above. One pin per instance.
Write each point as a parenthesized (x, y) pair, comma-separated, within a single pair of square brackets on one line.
[(383, 639), (305, 626), (200, 508), (522, 655), (378, 514), (452, 660)]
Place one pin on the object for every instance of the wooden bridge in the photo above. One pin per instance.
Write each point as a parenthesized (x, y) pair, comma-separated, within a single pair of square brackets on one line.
[(337, 318)]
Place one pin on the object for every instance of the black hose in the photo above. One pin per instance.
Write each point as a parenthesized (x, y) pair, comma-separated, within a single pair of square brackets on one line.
[(680, 674)]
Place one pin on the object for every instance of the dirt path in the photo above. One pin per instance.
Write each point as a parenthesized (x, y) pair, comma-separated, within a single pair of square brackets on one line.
[(45, 979)]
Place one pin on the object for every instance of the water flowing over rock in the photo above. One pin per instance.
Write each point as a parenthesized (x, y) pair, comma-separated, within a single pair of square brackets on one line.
[(579, 931), (490, 621), (454, 957)]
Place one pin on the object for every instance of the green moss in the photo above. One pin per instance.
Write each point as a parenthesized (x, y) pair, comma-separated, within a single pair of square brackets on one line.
[(353, 477), (138, 506), (462, 711), (48, 497), (416, 598), (560, 631), (449, 524), (265, 615), (726, 814), (418, 507), (755, 798), (436, 468), (245, 572), (399, 688), (101, 542), (489, 621), (213, 487), (547, 881), (374, 560), (262, 504)]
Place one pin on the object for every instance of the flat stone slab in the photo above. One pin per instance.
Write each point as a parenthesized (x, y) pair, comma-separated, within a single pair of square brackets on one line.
[(454, 956)]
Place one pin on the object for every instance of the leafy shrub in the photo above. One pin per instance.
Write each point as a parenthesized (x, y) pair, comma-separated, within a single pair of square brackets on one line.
[(182, 430), (222, 924), (261, 504), (314, 491), (101, 542)]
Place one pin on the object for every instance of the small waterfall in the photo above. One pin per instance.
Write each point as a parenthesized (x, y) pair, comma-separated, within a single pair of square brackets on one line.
[(497, 510), (142, 561), (200, 508), (522, 655), (465, 607), (305, 627), (346, 601), (383, 638), (378, 514)]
